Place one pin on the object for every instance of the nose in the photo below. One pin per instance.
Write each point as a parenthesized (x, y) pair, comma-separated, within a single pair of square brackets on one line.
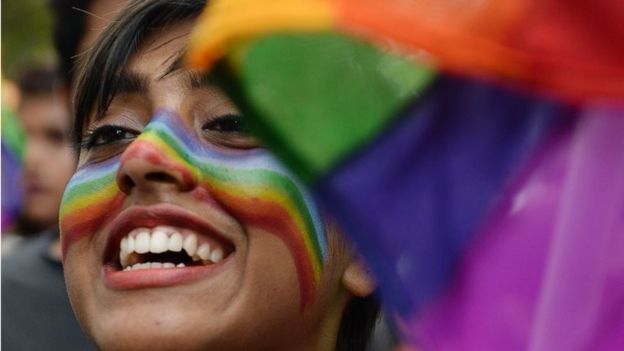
[(145, 168), (34, 154)]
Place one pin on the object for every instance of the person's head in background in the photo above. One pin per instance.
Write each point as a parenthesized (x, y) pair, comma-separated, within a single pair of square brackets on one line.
[(48, 158), (265, 289), (44, 111)]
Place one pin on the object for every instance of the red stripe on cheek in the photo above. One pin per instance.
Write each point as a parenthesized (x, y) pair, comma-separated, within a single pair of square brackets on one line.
[(275, 219), (87, 220)]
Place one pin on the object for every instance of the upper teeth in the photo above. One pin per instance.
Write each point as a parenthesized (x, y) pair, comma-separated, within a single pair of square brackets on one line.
[(163, 238)]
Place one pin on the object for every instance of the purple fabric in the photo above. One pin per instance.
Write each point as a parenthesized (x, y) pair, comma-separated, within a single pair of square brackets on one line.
[(11, 188), (413, 200), (547, 271)]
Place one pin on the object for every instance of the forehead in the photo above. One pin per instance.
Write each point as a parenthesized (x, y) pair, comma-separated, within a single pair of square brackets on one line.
[(160, 49), (44, 111)]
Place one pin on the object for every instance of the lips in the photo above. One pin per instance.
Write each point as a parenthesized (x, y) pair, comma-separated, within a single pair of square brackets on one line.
[(161, 245)]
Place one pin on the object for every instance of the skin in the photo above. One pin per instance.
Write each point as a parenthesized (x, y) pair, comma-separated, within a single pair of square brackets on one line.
[(48, 160), (252, 299), (101, 12)]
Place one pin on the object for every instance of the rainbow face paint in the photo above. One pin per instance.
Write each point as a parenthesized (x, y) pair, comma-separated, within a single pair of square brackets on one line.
[(91, 199), (251, 184)]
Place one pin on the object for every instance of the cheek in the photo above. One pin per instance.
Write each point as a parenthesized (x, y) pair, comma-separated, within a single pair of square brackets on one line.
[(271, 200), (91, 198)]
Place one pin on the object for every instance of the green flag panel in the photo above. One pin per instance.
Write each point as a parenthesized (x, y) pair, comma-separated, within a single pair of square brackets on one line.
[(315, 98)]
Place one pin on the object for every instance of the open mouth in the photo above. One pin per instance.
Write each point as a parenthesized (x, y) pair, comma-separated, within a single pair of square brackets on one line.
[(163, 245), (167, 247)]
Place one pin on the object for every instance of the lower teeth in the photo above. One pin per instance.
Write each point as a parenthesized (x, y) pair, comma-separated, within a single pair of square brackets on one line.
[(154, 265)]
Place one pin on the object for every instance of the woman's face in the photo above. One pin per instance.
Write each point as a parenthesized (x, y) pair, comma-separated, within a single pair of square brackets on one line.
[(180, 231)]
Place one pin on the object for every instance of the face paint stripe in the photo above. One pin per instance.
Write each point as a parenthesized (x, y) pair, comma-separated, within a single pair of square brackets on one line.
[(92, 189), (294, 208), (90, 171), (276, 200), (90, 199), (287, 231), (77, 201), (104, 185), (174, 139), (172, 145), (251, 184), (84, 220)]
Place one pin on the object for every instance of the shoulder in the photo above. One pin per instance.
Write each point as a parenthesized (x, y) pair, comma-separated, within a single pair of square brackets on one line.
[(27, 262)]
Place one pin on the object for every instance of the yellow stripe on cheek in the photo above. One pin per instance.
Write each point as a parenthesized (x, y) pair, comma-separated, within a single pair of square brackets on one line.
[(266, 194)]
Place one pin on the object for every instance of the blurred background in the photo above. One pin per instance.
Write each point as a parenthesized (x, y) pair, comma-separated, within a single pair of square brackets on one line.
[(26, 36), (40, 39)]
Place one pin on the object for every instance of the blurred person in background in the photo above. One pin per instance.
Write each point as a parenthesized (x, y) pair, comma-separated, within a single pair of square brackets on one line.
[(35, 308), (48, 160)]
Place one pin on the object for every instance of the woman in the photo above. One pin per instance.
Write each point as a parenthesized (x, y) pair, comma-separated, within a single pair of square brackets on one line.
[(179, 230)]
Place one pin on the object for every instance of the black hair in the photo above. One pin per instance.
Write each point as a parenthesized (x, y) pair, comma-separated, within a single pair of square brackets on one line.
[(38, 80), (99, 72), (97, 82), (69, 27)]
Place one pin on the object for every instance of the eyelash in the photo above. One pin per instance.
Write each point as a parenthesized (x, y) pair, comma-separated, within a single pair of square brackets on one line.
[(229, 123), (113, 134)]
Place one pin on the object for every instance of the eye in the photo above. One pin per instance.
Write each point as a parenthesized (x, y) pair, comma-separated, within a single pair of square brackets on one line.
[(230, 131), (107, 135), (227, 124), (55, 136)]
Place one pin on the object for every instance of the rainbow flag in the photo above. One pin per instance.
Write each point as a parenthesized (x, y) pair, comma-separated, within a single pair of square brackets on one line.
[(567, 48), (472, 151)]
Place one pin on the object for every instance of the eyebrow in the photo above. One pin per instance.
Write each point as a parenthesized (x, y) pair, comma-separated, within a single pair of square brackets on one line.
[(192, 79), (137, 83), (131, 82)]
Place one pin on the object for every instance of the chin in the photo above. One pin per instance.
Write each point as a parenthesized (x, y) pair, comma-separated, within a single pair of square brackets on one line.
[(148, 327), (233, 307), (184, 331)]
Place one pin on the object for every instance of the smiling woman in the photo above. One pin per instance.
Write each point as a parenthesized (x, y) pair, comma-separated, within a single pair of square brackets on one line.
[(179, 229)]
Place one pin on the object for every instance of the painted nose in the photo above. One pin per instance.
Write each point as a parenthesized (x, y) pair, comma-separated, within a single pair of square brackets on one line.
[(145, 168)]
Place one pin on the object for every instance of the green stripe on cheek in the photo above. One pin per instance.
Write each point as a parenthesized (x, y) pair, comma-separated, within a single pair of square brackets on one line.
[(251, 184)]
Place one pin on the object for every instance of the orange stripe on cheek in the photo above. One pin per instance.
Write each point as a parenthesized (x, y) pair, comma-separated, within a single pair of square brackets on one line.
[(276, 220), (87, 220)]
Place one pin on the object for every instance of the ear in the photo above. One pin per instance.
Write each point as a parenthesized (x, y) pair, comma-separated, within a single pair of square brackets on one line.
[(357, 279)]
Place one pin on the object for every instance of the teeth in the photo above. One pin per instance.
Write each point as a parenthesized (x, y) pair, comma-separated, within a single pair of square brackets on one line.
[(130, 243), (203, 251), (152, 265), (175, 242), (216, 255), (141, 265), (159, 242), (142, 242), (123, 258), (190, 244), (162, 239), (124, 245)]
